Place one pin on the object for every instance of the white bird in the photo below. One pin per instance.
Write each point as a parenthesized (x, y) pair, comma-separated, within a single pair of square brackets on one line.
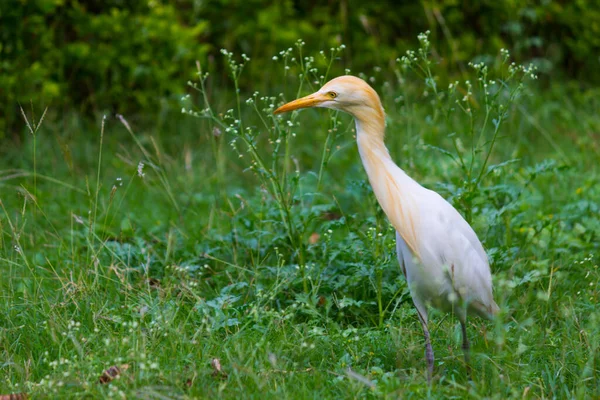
[(441, 257)]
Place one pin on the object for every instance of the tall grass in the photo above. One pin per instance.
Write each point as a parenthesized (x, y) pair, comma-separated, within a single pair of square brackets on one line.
[(255, 240)]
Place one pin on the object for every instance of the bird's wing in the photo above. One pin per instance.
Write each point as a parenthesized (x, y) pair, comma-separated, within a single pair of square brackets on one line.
[(403, 252), (439, 252), (448, 244)]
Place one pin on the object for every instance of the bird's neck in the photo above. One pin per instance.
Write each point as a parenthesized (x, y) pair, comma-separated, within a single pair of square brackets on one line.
[(373, 152), (370, 133), (393, 188)]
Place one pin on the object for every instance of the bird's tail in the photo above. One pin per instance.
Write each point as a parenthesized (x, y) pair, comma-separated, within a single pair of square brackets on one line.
[(494, 309), (487, 312)]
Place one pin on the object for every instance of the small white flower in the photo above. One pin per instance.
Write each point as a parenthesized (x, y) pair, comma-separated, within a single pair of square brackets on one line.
[(140, 170)]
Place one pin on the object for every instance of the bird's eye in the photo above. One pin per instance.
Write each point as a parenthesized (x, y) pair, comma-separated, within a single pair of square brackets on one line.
[(333, 95)]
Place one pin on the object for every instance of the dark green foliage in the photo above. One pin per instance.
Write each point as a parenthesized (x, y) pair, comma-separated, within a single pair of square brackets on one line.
[(129, 56), (112, 56)]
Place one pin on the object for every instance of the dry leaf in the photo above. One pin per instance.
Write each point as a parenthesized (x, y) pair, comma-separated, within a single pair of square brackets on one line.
[(218, 370), (332, 215), (14, 396), (153, 282), (314, 238), (322, 301), (112, 373)]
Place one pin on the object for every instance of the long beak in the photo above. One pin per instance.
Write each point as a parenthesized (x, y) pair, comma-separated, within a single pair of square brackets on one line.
[(311, 100)]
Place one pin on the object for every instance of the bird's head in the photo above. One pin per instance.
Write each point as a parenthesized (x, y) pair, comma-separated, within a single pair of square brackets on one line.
[(345, 93)]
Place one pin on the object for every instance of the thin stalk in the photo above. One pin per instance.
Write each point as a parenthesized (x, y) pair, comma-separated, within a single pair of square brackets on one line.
[(489, 153), (323, 161), (35, 168), (379, 273), (326, 151), (92, 225)]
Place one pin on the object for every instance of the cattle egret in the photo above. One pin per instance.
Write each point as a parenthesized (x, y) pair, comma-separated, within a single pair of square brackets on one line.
[(441, 257)]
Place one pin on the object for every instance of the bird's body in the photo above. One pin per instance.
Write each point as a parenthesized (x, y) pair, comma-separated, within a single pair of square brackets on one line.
[(441, 257)]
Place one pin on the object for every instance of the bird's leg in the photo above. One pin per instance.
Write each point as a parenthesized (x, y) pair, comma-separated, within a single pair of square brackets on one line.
[(428, 350), (466, 348)]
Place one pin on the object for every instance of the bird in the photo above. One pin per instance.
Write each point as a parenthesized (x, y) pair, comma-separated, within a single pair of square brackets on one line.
[(440, 255)]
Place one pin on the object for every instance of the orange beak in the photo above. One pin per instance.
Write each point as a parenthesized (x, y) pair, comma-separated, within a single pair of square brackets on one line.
[(311, 100)]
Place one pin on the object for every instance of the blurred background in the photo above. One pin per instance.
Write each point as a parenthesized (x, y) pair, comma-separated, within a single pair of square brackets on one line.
[(134, 57)]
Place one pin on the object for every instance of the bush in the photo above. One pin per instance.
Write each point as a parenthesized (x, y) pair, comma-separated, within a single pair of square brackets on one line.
[(94, 56), (128, 56)]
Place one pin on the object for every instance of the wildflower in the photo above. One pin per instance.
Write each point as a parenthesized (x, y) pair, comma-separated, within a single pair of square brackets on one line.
[(140, 170)]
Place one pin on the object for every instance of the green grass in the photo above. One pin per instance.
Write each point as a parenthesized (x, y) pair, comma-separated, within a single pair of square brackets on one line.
[(286, 273)]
